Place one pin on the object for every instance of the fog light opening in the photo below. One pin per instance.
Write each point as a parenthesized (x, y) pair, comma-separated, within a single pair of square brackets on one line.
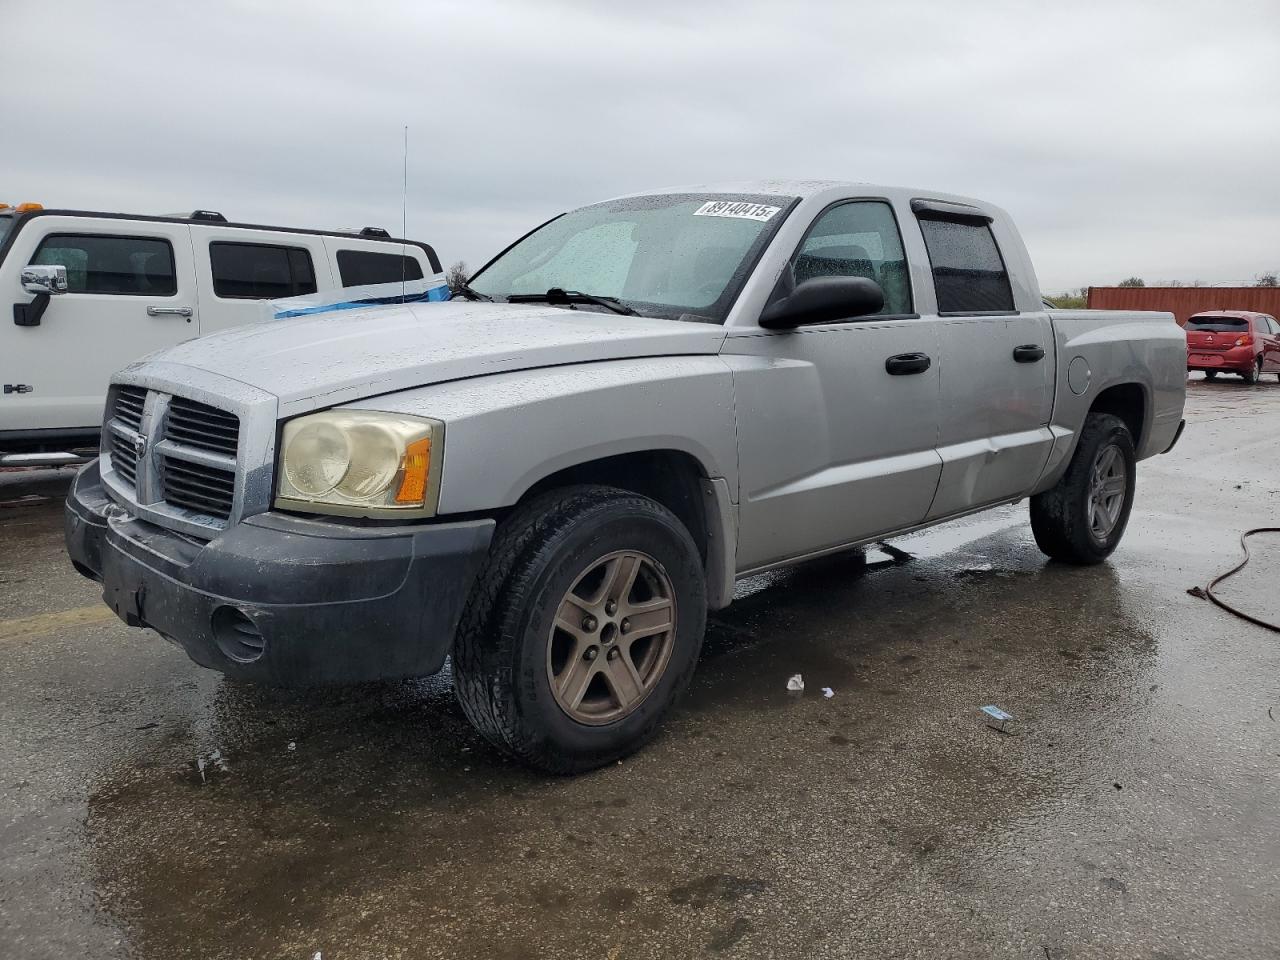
[(237, 636)]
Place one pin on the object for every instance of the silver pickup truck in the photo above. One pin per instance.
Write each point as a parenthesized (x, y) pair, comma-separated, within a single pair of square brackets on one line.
[(553, 476)]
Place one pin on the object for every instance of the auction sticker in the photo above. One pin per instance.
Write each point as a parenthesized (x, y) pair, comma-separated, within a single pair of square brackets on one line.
[(736, 208)]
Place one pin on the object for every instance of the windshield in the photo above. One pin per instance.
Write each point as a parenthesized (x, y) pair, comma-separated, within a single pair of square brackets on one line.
[(6, 222), (1218, 324), (681, 256)]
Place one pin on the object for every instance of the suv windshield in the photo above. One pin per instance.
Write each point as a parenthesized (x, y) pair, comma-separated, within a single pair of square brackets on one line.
[(1218, 324), (682, 256), (6, 223)]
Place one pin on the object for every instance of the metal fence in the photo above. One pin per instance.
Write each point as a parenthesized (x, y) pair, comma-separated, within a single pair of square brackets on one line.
[(1184, 302)]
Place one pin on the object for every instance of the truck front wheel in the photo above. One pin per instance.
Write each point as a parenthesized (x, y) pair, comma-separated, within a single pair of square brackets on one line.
[(1083, 517), (584, 626)]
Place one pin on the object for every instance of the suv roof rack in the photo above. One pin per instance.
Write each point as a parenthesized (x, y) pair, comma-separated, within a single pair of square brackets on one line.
[(211, 216), (375, 232)]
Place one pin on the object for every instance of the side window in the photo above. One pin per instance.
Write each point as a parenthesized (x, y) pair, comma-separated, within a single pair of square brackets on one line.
[(968, 272), (136, 266), (257, 271), (858, 239), (359, 267)]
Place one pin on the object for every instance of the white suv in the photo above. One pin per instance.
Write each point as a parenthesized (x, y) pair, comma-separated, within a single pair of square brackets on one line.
[(91, 292)]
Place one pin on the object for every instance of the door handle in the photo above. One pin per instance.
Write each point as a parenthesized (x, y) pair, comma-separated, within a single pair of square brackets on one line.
[(1028, 353), (170, 312), (907, 363)]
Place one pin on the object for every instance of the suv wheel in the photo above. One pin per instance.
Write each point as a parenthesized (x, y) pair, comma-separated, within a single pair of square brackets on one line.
[(1082, 519), (583, 628)]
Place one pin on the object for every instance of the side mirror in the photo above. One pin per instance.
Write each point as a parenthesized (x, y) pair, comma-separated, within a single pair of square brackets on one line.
[(824, 300), (51, 280), (44, 282)]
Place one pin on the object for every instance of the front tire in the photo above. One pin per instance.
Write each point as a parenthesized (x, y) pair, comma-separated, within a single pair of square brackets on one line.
[(1082, 519), (583, 628)]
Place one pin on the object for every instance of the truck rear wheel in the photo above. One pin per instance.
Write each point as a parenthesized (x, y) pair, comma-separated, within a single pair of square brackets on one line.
[(1083, 517), (583, 628)]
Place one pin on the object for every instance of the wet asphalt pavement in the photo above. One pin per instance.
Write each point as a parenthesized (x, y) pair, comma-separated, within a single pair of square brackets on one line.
[(1135, 814)]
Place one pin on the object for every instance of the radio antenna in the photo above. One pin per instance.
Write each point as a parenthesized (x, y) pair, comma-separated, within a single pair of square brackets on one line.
[(404, 211)]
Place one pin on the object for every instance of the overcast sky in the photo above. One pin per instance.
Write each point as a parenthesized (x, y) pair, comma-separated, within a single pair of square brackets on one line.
[(1125, 138)]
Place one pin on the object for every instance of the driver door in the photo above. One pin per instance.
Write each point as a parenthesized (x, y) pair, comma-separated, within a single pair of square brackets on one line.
[(837, 435)]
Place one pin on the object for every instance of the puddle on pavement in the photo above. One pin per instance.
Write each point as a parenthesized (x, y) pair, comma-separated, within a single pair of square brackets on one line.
[(390, 824)]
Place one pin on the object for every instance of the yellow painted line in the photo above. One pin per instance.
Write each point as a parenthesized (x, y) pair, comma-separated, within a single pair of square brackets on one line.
[(28, 628)]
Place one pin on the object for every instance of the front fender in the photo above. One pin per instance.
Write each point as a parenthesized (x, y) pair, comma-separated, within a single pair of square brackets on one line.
[(504, 433)]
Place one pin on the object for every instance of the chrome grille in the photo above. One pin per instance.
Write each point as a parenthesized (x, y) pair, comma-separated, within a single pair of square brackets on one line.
[(123, 460), (198, 487), (174, 459), (128, 406), (200, 425), (127, 410)]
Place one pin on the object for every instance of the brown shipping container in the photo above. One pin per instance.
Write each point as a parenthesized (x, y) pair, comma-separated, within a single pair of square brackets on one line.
[(1184, 302)]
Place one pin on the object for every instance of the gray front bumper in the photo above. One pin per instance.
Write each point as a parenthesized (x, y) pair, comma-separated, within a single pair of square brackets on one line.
[(284, 599)]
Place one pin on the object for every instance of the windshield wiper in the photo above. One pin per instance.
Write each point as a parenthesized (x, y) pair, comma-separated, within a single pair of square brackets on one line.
[(556, 295), (465, 289)]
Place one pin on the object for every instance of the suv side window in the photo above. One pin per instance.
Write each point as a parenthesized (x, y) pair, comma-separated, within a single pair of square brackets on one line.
[(359, 267), (259, 271), (133, 266), (969, 274), (858, 239)]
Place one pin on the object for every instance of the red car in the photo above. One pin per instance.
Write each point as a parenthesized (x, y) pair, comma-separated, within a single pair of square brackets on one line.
[(1233, 341)]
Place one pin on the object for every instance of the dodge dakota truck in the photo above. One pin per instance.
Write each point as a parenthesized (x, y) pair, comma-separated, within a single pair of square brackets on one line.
[(550, 478)]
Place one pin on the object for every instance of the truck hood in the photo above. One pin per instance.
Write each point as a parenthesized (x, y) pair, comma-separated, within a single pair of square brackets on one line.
[(348, 355)]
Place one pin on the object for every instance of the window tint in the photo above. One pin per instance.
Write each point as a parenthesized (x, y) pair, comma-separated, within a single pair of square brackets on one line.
[(968, 274), (1218, 324), (358, 267), (111, 265), (254, 271), (858, 239)]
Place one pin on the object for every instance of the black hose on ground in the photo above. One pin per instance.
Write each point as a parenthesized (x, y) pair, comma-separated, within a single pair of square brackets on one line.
[(1208, 594)]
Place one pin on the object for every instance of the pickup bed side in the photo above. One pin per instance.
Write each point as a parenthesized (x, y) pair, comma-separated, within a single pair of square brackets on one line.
[(1125, 363)]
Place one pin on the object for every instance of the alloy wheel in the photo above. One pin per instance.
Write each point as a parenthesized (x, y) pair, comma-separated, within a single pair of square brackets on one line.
[(612, 637)]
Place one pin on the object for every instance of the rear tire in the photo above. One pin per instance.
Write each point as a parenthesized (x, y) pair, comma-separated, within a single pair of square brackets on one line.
[(563, 696), (1253, 374), (1211, 374), (1083, 517)]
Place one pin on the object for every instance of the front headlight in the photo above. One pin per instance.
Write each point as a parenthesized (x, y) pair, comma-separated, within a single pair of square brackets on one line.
[(360, 464)]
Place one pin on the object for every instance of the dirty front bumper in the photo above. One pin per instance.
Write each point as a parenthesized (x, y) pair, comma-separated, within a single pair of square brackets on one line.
[(283, 599)]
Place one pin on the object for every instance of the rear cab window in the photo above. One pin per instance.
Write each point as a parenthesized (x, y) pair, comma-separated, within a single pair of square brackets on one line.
[(260, 271), (360, 267), (111, 265), (969, 274)]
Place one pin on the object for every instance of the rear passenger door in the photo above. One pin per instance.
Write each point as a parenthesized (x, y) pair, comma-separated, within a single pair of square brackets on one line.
[(997, 364), (238, 268), (131, 291)]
